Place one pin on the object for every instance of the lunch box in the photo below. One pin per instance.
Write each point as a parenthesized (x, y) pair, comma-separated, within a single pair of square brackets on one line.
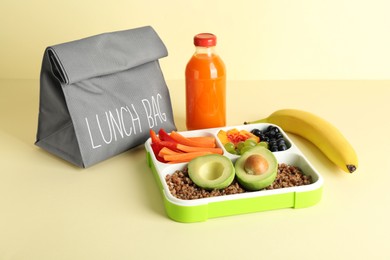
[(197, 210)]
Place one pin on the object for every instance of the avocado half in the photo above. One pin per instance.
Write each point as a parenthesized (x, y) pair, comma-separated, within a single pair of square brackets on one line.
[(255, 180), (212, 171)]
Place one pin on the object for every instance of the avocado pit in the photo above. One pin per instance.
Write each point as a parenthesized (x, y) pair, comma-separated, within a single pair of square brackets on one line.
[(256, 164), (256, 168)]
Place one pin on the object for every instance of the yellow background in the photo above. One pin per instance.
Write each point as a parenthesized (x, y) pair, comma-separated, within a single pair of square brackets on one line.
[(50, 209), (258, 39)]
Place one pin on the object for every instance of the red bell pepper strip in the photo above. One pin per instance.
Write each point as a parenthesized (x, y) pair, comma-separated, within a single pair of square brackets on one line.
[(164, 136), (171, 145), (156, 147)]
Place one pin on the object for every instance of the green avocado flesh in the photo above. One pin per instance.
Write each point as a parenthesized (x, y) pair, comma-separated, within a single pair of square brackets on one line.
[(252, 181), (211, 171)]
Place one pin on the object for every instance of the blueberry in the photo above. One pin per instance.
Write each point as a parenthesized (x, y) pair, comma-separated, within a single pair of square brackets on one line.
[(282, 147), (278, 136), (256, 132), (272, 133), (281, 141), (274, 148)]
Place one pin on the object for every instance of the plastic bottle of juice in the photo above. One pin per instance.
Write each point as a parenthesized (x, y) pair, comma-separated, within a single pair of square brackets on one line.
[(205, 85)]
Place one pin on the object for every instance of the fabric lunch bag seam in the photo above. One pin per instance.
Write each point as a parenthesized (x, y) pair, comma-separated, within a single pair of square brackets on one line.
[(67, 125)]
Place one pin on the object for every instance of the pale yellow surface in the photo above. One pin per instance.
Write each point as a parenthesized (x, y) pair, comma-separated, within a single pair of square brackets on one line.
[(258, 39), (50, 209)]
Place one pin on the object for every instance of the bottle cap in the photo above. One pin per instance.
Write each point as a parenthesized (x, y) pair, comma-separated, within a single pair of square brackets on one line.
[(205, 40)]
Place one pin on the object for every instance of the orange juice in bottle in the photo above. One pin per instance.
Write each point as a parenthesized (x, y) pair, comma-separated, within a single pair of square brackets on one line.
[(205, 85)]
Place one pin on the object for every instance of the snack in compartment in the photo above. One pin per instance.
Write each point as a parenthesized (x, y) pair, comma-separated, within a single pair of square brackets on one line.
[(296, 185)]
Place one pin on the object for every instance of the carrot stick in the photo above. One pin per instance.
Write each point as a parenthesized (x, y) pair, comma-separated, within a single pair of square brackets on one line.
[(203, 139), (183, 157), (153, 136), (186, 141), (189, 149), (165, 151)]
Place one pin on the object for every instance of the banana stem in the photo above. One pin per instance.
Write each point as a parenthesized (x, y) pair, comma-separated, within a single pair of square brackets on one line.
[(351, 168)]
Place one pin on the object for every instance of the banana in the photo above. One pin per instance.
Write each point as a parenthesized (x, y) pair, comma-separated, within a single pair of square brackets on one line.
[(321, 133)]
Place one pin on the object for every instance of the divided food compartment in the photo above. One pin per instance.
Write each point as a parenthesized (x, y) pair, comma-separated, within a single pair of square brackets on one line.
[(197, 210)]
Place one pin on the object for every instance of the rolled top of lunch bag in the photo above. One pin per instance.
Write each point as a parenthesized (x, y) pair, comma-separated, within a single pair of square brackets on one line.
[(105, 54)]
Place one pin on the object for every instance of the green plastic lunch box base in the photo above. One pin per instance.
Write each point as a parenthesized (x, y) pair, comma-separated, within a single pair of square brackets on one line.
[(248, 202)]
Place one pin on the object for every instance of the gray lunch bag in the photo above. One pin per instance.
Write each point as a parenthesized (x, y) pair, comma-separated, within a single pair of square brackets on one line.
[(100, 96)]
